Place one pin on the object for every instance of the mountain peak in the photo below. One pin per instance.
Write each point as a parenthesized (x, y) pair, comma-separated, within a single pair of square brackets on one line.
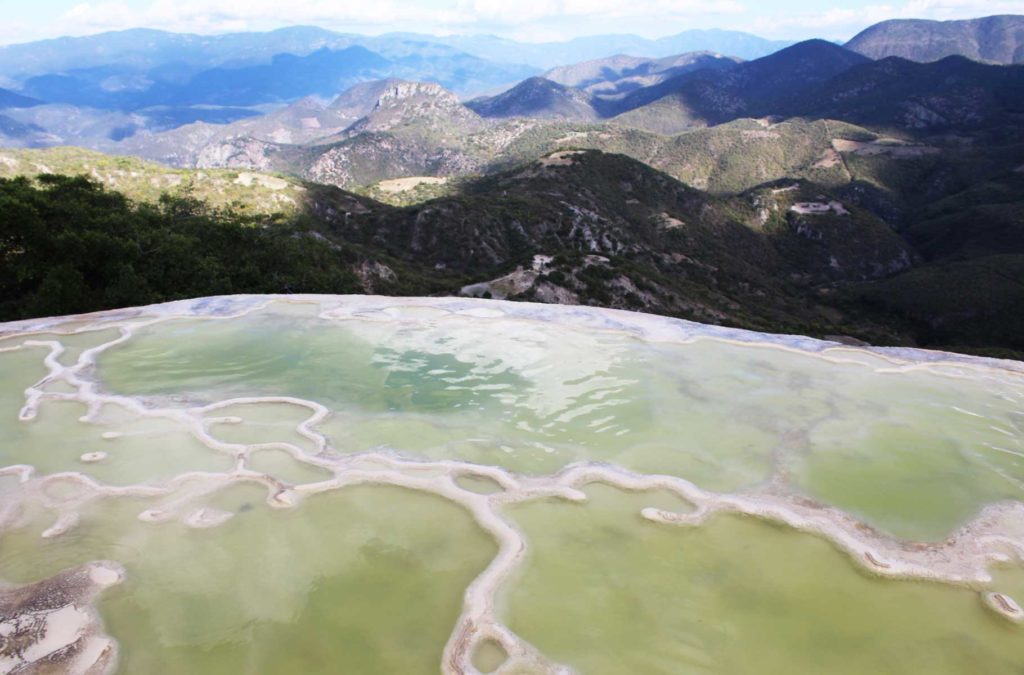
[(799, 65), (403, 90), (401, 102), (540, 82), (311, 103), (815, 47), (362, 96), (537, 97)]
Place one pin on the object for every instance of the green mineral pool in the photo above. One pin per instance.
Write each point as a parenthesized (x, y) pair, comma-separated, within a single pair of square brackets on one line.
[(319, 484)]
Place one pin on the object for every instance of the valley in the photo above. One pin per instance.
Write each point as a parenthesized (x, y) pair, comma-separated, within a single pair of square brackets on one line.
[(560, 338), (811, 190)]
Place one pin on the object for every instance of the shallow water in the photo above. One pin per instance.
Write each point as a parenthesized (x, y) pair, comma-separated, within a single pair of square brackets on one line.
[(610, 593), (372, 485), (366, 580), (915, 453)]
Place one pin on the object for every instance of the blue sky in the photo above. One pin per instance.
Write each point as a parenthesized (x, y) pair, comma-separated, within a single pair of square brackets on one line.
[(531, 20)]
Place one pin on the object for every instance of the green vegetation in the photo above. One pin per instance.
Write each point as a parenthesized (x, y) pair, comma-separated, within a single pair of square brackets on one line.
[(967, 305), (68, 245), (242, 190), (620, 234), (410, 191)]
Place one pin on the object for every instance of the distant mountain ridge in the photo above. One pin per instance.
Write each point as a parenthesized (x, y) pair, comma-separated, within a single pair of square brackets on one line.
[(284, 78), (133, 59), (710, 90), (144, 48), (954, 93), (539, 98), (10, 99), (616, 75), (751, 89), (552, 54), (992, 39), (111, 86), (394, 128)]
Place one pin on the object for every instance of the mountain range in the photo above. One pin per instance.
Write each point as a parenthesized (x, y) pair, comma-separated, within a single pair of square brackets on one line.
[(620, 73), (134, 69), (148, 80), (174, 56), (813, 188), (547, 55), (392, 129), (993, 39)]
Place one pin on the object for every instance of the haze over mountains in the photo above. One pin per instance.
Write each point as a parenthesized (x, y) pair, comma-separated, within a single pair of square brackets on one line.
[(619, 73), (144, 80), (993, 39), (811, 187), (386, 129), (145, 49)]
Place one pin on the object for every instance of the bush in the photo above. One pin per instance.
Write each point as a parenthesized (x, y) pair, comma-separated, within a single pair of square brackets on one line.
[(68, 245)]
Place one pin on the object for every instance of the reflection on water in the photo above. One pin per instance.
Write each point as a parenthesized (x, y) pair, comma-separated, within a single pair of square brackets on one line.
[(915, 453), (343, 490)]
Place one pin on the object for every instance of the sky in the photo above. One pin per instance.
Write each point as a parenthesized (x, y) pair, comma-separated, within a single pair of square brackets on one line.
[(526, 20)]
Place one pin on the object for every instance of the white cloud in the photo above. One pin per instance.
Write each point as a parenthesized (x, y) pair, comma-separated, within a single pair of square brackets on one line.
[(528, 11), (566, 18), (531, 20), (843, 23), (13, 31), (204, 16)]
